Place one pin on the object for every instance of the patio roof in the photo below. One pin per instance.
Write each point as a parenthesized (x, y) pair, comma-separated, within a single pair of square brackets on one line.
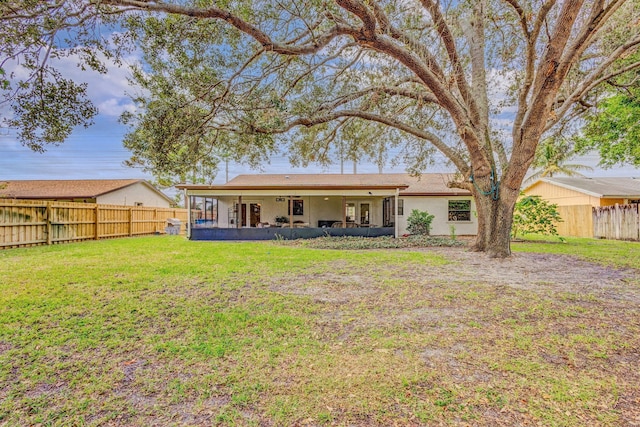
[(347, 184)]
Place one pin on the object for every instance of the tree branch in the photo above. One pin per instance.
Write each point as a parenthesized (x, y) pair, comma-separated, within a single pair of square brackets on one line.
[(598, 17), (529, 69), (591, 82), (522, 17), (260, 36), (391, 122), (452, 52)]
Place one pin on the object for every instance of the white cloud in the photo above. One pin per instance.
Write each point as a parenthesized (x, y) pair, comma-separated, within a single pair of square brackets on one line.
[(114, 107), (107, 91)]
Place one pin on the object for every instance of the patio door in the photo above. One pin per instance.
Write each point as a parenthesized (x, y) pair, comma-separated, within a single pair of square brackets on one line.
[(241, 212), (364, 213), (388, 212), (254, 212)]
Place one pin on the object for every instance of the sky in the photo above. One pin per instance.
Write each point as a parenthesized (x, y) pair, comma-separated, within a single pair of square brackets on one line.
[(97, 152)]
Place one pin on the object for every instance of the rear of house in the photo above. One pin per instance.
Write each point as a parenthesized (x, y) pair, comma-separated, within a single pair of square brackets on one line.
[(309, 205)]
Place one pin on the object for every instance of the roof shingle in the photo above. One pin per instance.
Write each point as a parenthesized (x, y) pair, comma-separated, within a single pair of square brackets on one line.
[(62, 189)]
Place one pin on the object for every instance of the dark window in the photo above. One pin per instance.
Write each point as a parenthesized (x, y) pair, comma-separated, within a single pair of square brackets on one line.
[(400, 207), (459, 210), (298, 207)]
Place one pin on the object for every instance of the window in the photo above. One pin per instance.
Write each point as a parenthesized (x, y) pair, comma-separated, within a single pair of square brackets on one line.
[(298, 207), (459, 210), (204, 212), (400, 207)]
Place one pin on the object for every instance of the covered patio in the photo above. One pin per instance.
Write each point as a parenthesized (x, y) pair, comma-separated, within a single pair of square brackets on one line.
[(264, 207)]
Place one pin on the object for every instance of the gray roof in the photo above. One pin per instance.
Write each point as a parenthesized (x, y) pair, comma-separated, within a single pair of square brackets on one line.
[(600, 187)]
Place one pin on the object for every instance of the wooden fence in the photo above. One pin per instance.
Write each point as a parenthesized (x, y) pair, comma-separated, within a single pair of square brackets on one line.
[(620, 222), (577, 221), (32, 222)]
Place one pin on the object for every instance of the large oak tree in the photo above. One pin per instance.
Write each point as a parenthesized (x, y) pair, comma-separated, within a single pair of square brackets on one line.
[(245, 75)]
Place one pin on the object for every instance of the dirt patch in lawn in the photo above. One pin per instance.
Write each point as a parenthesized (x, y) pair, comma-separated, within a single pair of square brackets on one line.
[(504, 341), (534, 271)]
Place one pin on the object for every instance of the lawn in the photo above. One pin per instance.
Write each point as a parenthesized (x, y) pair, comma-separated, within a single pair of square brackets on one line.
[(162, 331)]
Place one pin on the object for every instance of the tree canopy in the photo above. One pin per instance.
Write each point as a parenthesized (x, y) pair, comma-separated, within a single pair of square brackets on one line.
[(426, 75), (613, 129)]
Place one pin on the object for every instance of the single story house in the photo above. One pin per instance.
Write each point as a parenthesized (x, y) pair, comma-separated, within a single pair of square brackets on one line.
[(577, 196), (125, 192), (265, 206)]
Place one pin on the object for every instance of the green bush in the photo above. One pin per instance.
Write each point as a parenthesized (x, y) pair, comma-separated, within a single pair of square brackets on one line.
[(533, 215), (419, 222)]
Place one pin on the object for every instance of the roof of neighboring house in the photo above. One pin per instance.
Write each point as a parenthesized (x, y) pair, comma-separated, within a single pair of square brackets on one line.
[(423, 185), (67, 189), (623, 187)]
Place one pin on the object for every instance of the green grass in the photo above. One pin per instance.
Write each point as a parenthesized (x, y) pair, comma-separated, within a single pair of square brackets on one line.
[(160, 330), (607, 252)]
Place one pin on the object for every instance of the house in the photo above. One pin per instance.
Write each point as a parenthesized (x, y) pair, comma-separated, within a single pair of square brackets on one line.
[(310, 205), (577, 196), (126, 192)]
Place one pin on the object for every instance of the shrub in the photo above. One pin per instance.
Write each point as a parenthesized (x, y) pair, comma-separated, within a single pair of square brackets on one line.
[(532, 214), (419, 222), (351, 242)]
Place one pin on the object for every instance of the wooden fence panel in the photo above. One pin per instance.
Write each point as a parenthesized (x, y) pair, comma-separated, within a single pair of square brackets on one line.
[(619, 222), (34, 222), (71, 221), (577, 221), (23, 224)]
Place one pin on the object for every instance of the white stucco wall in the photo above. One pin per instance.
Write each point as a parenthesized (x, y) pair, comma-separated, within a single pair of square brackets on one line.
[(439, 208), (136, 193)]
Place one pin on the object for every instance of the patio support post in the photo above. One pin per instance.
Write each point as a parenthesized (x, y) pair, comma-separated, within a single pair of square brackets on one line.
[(239, 213), (187, 199), (396, 232), (290, 211), (344, 211)]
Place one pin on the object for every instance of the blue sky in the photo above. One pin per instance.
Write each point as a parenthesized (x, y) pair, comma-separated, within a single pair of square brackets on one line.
[(97, 152)]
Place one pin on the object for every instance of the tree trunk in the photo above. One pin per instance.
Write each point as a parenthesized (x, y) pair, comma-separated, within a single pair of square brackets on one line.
[(494, 222)]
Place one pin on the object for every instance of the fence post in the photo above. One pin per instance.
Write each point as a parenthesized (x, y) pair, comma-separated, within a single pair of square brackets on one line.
[(638, 217), (49, 227), (97, 222), (130, 221)]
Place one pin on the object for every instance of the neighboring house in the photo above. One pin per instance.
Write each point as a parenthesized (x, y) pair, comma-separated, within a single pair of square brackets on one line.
[(127, 192), (572, 191), (317, 204), (576, 196)]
